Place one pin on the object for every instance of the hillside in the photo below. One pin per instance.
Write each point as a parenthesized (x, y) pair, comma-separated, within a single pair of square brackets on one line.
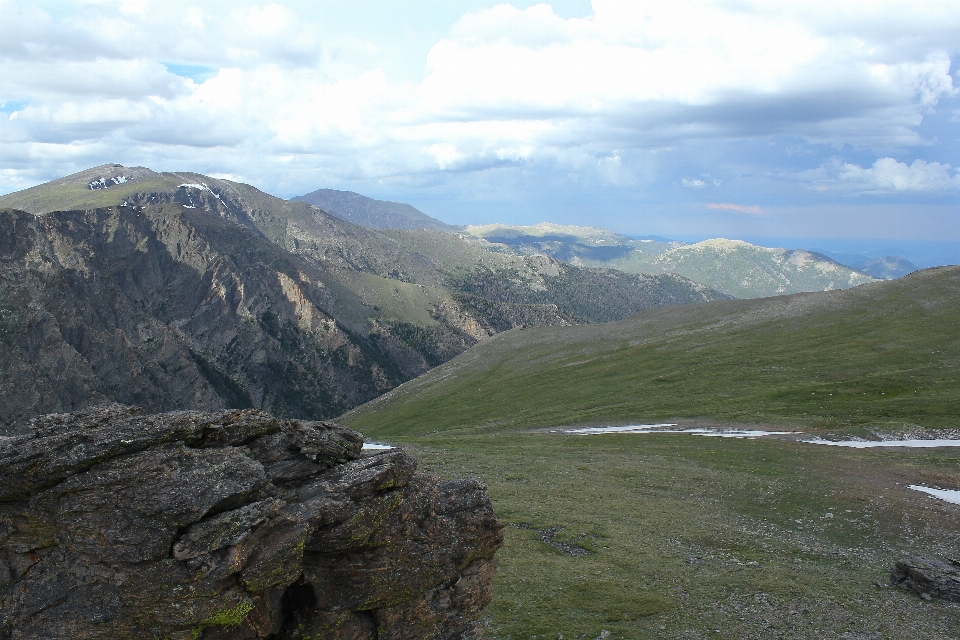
[(733, 267), (370, 213), (887, 351), (259, 301)]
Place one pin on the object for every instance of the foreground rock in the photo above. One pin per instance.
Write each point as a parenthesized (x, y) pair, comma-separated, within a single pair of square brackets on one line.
[(929, 577), (233, 525)]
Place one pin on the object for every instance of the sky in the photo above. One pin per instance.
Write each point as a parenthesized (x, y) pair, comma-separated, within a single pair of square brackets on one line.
[(835, 123)]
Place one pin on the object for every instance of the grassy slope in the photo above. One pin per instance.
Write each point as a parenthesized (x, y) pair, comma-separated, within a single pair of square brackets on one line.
[(71, 196), (694, 537), (887, 352)]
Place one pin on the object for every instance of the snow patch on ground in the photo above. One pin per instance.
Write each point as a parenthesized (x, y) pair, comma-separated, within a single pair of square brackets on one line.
[(665, 428), (944, 494), (636, 428), (106, 183), (202, 187), (376, 446), (868, 444)]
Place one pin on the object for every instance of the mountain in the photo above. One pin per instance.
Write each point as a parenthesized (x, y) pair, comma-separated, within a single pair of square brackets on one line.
[(885, 351), (587, 246), (744, 270), (886, 268), (733, 267), (169, 307), (370, 213), (177, 290)]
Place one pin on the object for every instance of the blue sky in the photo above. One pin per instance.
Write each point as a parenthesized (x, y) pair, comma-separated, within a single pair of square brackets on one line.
[(837, 121)]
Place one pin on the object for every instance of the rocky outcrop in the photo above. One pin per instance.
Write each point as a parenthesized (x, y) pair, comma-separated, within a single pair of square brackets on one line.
[(232, 525), (928, 577)]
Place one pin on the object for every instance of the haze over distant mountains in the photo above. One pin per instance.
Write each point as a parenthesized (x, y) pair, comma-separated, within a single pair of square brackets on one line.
[(882, 268)]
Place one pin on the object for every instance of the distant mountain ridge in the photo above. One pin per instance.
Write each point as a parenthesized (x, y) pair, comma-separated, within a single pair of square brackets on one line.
[(886, 268), (370, 213), (733, 267), (593, 246), (744, 270)]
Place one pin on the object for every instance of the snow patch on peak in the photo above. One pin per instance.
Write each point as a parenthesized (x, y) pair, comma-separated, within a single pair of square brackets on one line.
[(106, 183), (194, 185)]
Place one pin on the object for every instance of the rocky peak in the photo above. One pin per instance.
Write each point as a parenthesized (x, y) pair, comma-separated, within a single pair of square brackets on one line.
[(233, 525)]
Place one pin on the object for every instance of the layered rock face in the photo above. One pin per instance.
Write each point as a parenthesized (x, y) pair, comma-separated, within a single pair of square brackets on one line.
[(928, 577), (233, 525)]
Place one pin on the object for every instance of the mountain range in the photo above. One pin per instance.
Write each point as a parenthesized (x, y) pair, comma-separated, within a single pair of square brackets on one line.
[(733, 267), (178, 290)]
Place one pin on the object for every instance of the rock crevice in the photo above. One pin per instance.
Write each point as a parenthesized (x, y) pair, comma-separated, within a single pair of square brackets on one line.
[(233, 525)]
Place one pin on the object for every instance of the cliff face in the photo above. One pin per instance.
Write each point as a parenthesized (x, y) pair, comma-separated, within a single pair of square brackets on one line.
[(171, 308), (232, 525)]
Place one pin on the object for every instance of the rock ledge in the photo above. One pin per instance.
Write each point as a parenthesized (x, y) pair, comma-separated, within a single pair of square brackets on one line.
[(233, 525), (929, 577)]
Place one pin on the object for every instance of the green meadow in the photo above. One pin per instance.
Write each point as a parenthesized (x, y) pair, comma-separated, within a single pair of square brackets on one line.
[(684, 536)]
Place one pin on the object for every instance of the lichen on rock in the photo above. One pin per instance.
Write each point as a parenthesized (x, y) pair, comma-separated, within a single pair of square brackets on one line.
[(233, 525)]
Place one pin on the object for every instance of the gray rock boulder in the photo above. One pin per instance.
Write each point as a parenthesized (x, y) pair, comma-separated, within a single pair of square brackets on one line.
[(233, 525), (929, 577)]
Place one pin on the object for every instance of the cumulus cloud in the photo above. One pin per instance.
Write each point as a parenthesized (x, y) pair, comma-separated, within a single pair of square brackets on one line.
[(505, 88), (884, 177), (887, 174)]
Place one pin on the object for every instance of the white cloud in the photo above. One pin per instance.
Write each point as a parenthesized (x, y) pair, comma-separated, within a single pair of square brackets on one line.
[(506, 87), (136, 7), (887, 174), (739, 208)]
